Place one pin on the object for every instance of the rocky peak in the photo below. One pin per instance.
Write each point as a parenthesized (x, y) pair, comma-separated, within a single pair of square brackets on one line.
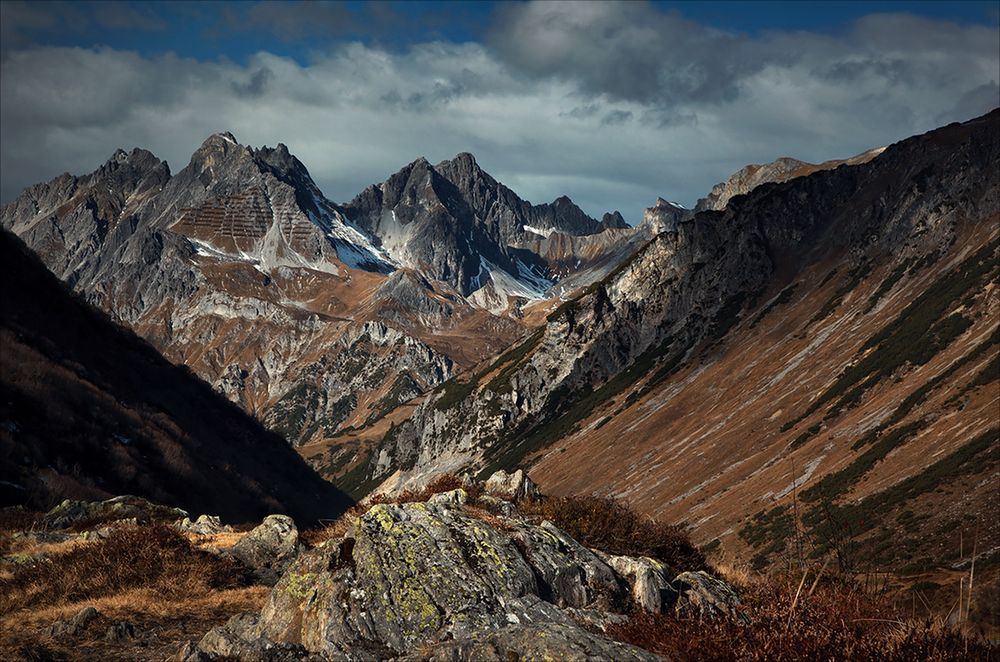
[(663, 215), (613, 220)]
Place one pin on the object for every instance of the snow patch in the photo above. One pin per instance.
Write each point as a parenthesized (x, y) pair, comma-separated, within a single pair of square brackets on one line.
[(353, 246), (542, 232), (494, 284)]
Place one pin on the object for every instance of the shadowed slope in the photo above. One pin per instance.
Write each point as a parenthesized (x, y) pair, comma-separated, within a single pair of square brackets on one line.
[(87, 409)]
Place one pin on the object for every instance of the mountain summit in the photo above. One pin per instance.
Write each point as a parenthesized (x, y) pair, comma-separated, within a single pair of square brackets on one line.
[(239, 267)]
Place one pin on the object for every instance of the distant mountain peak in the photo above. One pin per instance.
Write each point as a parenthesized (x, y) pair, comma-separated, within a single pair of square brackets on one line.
[(613, 221), (225, 136)]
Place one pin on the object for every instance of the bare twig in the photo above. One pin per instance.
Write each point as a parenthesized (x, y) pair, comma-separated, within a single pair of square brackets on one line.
[(972, 573), (818, 575), (791, 610)]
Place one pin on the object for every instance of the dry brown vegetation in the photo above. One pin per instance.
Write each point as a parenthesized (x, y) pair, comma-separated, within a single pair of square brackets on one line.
[(836, 620), (164, 623), (151, 576), (154, 557), (611, 526)]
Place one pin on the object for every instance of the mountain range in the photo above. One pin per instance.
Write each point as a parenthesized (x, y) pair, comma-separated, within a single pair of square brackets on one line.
[(832, 338), (825, 329), (310, 315), (88, 410)]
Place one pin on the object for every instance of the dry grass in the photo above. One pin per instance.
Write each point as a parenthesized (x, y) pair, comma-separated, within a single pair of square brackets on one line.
[(835, 622), (27, 546), (23, 634), (154, 557), (612, 527), (151, 576), (214, 542)]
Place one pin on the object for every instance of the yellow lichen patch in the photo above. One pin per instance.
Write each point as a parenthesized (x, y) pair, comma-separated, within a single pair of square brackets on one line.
[(380, 514), (301, 585)]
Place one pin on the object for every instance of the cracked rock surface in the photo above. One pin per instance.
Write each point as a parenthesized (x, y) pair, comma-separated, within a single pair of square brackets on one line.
[(442, 581)]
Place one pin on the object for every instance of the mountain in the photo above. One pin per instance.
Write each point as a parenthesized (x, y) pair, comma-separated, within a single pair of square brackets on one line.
[(314, 317), (780, 170), (239, 268), (89, 410), (455, 223), (833, 336)]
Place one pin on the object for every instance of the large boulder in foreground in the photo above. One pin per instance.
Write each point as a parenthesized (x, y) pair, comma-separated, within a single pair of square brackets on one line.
[(445, 580), (269, 548)]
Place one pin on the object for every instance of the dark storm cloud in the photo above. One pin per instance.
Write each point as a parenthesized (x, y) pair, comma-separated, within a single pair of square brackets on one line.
[(616, 117), (626, 50), (256, 85), (633, 51), (612, 105)]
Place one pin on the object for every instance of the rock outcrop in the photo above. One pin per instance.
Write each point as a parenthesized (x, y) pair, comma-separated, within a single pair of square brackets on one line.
[(70, 512), (438, 580), (782, 169), (269, 548), (514, 486)]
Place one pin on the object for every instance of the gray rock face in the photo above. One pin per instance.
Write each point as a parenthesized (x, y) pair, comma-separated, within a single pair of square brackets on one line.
[(449, 218), (88, 621), (662, 217), (688, 287), (205, 525), (269, 549), (126, 507), (748, 178), (613, 220), (514, 486), (237, 640), (649, 580), (704, 596), (430, 581), (533, 642)]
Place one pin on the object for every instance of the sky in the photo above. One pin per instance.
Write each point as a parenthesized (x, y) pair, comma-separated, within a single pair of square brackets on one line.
[(612, 104)]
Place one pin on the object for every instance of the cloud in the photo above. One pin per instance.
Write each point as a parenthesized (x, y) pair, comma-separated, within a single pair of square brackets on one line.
[(625, 50), (612, 106), (21, 22)]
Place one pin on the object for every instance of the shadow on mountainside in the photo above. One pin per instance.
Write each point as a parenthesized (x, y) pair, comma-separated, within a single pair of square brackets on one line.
[(88, 410)]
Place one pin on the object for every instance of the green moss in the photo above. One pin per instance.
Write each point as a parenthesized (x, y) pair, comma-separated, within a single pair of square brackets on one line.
[(300, 586)]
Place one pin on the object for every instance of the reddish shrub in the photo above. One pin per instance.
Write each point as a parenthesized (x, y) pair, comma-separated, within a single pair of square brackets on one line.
[(837, 622), (613, 527)]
